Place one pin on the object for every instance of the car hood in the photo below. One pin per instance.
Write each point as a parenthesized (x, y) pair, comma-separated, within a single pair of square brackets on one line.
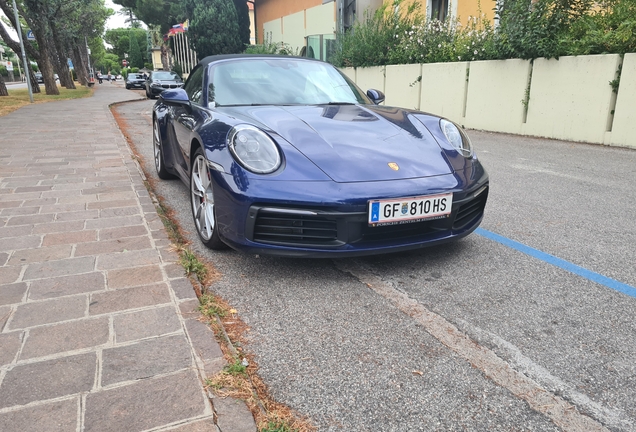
[(352, 143)]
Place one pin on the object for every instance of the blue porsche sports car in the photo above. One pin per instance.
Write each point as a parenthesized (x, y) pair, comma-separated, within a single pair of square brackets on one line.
[(286, 156)]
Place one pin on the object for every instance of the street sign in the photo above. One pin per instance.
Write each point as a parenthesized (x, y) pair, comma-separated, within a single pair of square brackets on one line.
[(30, 35), (9, 66), (70, 64)]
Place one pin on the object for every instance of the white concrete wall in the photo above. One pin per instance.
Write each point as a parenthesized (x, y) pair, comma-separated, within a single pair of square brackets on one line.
[(321, 19), (570, 98), (294, 30), (350, 72), (403, 85), (496, 90), (370, 78), (624, 127), (273, 30), (444, 89)]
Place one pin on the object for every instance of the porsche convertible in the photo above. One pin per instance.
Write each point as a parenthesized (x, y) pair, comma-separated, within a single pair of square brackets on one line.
[(286, 156)]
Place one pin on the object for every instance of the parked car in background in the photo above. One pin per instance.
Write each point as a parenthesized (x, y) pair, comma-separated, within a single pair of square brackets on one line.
[(135, 80), (287, 156), (39, 77), (159, 81)]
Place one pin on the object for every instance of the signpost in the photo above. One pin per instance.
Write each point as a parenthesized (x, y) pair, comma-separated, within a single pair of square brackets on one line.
[(30, 35), (24, 59), (9, 66)]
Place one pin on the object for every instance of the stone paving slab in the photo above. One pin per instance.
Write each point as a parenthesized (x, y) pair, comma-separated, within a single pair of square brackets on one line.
[(98, 325), (48, 379), (165, 400), (62, 416), (144, 324)]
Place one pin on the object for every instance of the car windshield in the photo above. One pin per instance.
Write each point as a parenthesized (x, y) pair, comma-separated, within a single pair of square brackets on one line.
[(280, 82), (165, 76)]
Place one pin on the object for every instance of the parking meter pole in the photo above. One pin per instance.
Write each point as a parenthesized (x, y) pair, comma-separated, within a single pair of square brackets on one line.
[(24, 58)]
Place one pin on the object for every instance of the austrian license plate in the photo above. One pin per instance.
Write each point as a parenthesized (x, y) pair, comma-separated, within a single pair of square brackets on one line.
[(406, 210)]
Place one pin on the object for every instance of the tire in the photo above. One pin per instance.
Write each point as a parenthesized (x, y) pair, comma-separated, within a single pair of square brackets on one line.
[(127, 87), (157, 145), (202, 203)]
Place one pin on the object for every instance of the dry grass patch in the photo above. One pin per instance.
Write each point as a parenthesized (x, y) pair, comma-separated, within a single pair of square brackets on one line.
[(20, 97)]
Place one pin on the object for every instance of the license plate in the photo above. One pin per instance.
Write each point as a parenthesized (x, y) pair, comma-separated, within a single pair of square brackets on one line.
[(406, 210)]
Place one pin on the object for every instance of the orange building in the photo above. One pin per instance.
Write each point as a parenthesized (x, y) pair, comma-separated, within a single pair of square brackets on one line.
[(309, 26)]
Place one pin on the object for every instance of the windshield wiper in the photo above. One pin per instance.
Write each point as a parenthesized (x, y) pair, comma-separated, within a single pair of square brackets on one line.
[(338, 103)]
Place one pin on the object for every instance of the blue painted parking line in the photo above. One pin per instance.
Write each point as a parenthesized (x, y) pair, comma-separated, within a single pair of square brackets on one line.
[(558, 262)]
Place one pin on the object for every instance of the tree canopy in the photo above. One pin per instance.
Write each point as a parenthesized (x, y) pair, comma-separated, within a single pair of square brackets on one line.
[(214, 27)]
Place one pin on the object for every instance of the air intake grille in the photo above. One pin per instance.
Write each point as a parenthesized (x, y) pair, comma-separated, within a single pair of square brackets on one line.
[(272, 227), (470, 210)]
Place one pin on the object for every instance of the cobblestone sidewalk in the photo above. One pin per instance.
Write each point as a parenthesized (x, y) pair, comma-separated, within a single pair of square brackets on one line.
[(98, 325)]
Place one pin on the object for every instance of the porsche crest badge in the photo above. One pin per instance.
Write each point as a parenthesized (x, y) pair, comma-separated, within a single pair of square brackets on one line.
[(394, 166)]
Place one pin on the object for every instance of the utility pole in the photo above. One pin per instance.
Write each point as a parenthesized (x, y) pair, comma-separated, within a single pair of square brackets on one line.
[(24, 58)]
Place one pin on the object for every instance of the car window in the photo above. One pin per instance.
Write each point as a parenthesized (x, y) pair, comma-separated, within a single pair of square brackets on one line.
[(194, 85), (258, 82), (165, 76)]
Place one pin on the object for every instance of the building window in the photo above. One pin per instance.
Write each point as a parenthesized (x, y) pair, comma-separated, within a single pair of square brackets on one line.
[(438, 10)]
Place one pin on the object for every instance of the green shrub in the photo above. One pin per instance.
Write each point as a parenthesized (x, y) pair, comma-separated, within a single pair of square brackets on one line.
[(527, 29)]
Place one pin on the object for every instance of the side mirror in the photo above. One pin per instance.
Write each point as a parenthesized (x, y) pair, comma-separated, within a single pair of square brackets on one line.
[(177, 97), (376, 96)]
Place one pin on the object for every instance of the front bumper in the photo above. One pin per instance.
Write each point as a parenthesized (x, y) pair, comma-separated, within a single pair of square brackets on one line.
[(156, 90), (272, 218)]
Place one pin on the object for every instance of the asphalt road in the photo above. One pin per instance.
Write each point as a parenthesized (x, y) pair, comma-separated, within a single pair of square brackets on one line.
[(480, 334)]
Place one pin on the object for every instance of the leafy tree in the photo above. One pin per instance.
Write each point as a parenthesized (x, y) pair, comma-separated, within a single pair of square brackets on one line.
[(243, 14), (134, 57), (119, 40), (164, 13), (214, 27)]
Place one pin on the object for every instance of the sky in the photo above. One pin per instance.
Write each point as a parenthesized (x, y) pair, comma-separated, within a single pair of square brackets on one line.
[(115, 21)]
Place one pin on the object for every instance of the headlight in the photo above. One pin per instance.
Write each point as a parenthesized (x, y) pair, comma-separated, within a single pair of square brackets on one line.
[(156, 84), (253, 149), (456, 137)]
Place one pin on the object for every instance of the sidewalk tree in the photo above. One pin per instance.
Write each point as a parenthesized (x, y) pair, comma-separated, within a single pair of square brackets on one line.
[(163, 13), (135, 58), (31, 51), (3, 87), (213, 27), (243, 15), (60, 28)]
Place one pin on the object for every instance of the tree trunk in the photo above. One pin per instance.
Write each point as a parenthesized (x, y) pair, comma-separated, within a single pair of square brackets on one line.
[(35, 86), (164, 57), (81, 65), (62, 68), (3, 87)]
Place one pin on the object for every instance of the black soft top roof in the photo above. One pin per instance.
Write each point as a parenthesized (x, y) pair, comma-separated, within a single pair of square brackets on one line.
[(214, 58)]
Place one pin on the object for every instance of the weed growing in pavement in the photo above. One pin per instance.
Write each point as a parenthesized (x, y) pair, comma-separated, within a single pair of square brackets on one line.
[(275, 426), (236, 368), (209, 306), (193, 266), (166, 217)]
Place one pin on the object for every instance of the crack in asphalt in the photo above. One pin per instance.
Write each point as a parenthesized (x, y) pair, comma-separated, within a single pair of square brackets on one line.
[(562, 413)]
